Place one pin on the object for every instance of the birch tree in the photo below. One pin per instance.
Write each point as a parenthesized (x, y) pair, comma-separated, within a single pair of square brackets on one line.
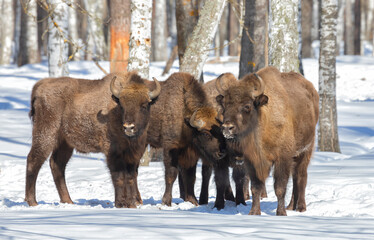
[(140, 38), (96, 46), (201, 39), (57, 46), (357, 28), (234, 27), (254, 50), (284, 37), (159, 31), (120, 15), (328, 131), (6, 33), (29, 47)]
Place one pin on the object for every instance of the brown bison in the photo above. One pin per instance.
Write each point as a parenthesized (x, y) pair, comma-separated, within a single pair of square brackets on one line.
[(183, 122), (270, 117), (110, 115)]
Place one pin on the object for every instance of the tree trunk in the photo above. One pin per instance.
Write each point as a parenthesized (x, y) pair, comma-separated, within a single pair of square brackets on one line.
[(96, 46), (186, 15), (234, 27), (299, 49), (57, 47), (74, 35), (357, 29), (140, 39), (202, 37), (120, 13), (348, 29), (223, 31), (340, 26), (29, 50), (284, 38), (315, 23), (328, 131), (6, 33), (306, 27), (159, 43), (253, 51)]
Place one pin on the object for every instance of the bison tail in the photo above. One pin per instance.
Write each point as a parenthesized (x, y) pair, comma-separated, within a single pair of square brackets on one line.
[(32, 110)]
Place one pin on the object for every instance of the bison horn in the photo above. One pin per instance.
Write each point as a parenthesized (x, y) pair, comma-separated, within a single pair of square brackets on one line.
[(258, 90), (196, 123), (153, 94), (113, 88)]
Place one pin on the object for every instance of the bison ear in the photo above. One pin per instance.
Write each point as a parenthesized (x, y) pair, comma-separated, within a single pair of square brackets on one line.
[(115, 99), (261, 100), (219, 99)]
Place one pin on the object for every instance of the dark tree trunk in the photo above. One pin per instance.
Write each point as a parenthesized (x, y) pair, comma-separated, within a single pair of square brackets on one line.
[(254, 49), (306, 27)]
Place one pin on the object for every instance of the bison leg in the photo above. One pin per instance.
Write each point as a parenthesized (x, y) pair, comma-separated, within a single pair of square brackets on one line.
[(299, 177), (189, 178), (35, 159), (171, 173), (182, 193), (131, 189), (221, 177), (139, 200), (238, 175), (57, 162), (257, 186), (206, 173), (281, 175)]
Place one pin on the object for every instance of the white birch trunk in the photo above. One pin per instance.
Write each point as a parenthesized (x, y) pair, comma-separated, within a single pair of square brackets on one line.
[(6, 33), (328, 132), (315, 27), (202, 36), (340, 27), (96, 42), (57, 48), (159, 44), (73, 33), (140, 39), (284, 37)]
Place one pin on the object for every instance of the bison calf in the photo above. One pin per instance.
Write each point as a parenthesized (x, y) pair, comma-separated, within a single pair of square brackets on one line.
[(109, 115)]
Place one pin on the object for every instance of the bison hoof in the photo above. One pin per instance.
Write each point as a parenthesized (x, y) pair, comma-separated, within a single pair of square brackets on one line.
[(255, 212), (220, 205), (192, 200), (32, 203), (203, 201), (301, 209), (166, 201), (281, 212)]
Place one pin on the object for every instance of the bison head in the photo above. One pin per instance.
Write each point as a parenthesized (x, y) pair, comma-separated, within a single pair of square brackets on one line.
[(241, 103), (133, 98), (207, 134)]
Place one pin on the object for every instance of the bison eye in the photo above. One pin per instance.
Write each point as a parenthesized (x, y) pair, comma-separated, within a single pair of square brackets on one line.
[(144, 106), (247, 108), (207, 134)]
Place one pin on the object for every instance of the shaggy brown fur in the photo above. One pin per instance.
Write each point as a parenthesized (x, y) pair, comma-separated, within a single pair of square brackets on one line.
[(273, 127), (181, 98), (83, 114)]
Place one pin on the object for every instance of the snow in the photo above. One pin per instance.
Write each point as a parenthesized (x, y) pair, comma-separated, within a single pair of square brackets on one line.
[(339, 194)]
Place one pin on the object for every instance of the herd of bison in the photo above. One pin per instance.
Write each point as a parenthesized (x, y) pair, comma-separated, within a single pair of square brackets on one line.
[(264, 120)]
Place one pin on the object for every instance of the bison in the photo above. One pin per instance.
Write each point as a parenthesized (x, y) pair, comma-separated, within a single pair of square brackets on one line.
[(110, 115), (184, 123), (270, 118)]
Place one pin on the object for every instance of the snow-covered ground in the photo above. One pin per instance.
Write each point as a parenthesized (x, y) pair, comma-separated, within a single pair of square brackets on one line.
[(339, 194)]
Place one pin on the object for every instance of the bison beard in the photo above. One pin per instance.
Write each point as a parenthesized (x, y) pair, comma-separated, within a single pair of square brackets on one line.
[(270, 118), (109, 115)]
